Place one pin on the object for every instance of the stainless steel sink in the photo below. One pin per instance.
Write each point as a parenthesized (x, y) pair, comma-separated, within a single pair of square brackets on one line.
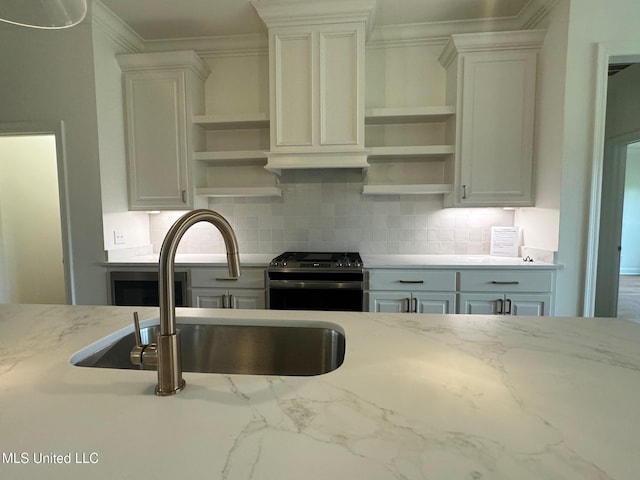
[(233, 349)]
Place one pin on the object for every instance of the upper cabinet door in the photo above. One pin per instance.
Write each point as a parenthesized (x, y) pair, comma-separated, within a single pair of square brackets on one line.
[(294, 72), (317, 88), (496, 138), (316, 82), (491, 79), (157, 152), (162, 91)]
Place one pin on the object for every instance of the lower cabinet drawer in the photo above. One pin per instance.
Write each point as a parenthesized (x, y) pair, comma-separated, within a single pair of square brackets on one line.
[(412, 280), (219, 278), (505, 281)]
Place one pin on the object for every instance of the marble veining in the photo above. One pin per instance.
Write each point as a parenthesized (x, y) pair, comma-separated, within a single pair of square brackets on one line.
[(418, 397)]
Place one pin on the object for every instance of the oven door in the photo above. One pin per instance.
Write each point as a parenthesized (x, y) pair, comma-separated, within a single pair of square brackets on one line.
[(316, 291)]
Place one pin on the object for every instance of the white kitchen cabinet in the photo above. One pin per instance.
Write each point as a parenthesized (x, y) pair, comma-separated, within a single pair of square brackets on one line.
[(491, 79), (411, 291), (411, 302), (161, 93), (503, 304), (506, 292), (212, 288), (316, 80), (232, 298)]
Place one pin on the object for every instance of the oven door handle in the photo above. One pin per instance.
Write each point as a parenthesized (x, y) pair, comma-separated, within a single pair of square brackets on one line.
[(315, 284)]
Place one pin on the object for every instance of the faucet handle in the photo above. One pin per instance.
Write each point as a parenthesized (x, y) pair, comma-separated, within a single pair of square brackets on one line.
[(136, 326), (142, 354)]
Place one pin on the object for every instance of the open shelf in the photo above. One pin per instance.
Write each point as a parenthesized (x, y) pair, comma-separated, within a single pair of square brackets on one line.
[(232, 121), (418, 189), (212, 157), (411, 151), (239, 192), (387, 116)]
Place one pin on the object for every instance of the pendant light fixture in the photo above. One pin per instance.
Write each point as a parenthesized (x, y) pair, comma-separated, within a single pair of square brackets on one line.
[(48, 14)]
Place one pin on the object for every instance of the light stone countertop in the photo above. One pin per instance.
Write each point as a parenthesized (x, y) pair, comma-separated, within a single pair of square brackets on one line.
[(370, 261), (418, 397)]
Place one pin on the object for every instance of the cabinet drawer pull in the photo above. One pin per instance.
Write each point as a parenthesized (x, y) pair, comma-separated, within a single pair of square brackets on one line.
[(411, 281), (507, 308), (499, 309), (464, 192), (226, 279), (514, 282), (183, 195)]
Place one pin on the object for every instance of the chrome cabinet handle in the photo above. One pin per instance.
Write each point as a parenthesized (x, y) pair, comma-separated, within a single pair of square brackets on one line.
[(513, 282), (405, 305), (507, 310), (410, 281), (500, 303)]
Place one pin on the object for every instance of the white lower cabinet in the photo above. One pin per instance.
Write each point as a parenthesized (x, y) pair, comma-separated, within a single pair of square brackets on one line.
[(482, 291), (412, 291), (232, 298), (212, 288), (511, 304), (412, 302), (506, 292)]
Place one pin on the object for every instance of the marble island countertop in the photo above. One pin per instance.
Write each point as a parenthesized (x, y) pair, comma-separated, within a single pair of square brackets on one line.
[(418, 397)]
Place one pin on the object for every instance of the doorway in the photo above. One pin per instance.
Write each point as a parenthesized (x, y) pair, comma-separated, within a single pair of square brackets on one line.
[(628, 304), (32, 239), (603, 262), (618, 224)]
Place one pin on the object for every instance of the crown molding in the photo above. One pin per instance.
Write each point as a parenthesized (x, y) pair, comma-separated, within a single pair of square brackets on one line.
[(149, 61), (532, 15), (479, 42), (276, 14), (115, 28), (219, 46)]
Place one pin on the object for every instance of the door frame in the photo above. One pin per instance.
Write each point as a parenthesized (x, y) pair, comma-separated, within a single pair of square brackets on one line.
[(605, 54), (14, 129)]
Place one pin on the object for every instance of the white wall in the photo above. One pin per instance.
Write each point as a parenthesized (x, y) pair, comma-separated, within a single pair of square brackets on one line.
[(31, 268), (111, 143), (630, 255), (541, 224), (590, 22), (327, 211), (48, 76)]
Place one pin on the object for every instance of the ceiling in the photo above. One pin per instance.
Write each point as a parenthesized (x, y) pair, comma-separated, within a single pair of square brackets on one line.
[(173, 19)]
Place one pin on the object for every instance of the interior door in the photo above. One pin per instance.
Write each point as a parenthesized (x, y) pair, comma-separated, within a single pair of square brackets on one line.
[(610, 235)]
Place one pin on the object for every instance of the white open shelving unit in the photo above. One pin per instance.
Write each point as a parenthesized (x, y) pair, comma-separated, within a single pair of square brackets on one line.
[(412, 169), (235, 172)]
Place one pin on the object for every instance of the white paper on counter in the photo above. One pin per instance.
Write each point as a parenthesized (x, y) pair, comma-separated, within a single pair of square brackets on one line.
[(505, 241)]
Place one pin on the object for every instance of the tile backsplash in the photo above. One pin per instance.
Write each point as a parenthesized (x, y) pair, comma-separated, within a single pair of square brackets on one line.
[(326, 211)]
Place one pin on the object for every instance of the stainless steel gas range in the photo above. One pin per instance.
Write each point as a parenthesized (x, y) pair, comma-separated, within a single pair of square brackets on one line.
[(316, 281)]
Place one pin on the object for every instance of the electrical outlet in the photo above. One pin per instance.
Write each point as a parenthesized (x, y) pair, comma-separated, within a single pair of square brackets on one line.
[(118, 237)]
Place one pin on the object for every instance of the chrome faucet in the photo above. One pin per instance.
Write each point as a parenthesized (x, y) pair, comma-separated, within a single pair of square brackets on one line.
[(165, 353)]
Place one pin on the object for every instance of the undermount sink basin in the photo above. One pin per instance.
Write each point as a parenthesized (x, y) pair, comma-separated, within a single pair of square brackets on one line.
[(263, 349)]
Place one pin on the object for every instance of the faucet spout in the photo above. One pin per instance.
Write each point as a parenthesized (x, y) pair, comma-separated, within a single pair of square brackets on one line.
[(169, 360)]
